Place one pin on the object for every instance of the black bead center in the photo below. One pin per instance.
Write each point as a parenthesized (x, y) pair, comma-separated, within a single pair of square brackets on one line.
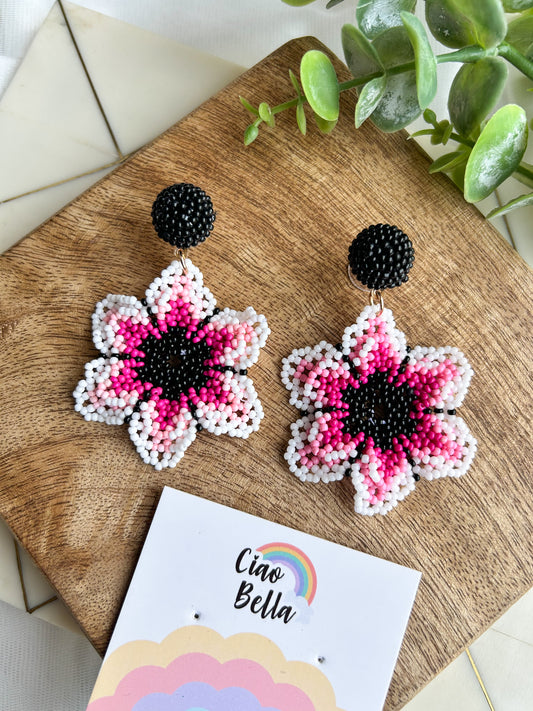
[(176, 360), (379, 409), (174, 363)]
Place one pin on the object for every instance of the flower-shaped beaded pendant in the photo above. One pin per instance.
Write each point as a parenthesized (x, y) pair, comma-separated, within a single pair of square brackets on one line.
[(172, 363), (371, 407)]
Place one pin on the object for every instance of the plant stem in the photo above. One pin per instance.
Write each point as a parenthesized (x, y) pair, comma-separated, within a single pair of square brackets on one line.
[(517, 59), (465, 55), (524, 175), (286, 105), (464, 141)]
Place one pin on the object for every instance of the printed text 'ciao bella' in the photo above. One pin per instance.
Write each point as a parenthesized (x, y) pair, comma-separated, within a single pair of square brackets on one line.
[(268, 605)]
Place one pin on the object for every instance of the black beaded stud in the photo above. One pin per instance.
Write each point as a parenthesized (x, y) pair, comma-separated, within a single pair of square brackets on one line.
[(381, 256), (183, 215)]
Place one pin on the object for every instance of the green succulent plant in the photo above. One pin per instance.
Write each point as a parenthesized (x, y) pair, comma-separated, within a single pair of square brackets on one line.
[(394, 73)]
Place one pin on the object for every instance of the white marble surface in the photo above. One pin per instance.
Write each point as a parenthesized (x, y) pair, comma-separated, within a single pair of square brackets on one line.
[(52, 130), (144, 91), (55, 122)]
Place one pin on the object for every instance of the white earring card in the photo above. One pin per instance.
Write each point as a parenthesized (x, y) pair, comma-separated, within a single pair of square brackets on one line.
[(229, 612)]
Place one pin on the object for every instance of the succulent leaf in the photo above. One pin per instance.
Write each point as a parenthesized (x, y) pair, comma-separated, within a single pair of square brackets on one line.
[(377, 16), (320, 85), (360, 55), (425, 62), (300, 119), (459, 23), (298, 3), (474, 92), (521, 201), (250, 134), (497, 152), (248, 106), (369, 98), (516, 5), (520, 33), (324, 125), (399, 105), (448, 162)]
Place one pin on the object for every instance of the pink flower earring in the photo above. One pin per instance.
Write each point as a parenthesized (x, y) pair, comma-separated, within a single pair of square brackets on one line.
[(371, 407), (172, 363)]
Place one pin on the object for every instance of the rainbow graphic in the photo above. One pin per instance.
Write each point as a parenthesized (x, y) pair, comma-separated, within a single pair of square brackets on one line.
[(195, 669), (297, 561)]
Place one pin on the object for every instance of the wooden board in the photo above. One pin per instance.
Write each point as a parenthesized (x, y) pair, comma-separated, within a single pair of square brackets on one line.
[(76, 493)]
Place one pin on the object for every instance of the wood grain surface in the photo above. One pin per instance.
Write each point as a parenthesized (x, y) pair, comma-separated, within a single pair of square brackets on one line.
[(80, 499)]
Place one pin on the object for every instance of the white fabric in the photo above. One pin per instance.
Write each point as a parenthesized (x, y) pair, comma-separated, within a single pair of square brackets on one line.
[(43, 667), (241, 31), (20, 21)]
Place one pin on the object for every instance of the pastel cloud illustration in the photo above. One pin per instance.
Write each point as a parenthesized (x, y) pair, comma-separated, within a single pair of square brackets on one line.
[(195, 669), (305, 611), (200, 696)]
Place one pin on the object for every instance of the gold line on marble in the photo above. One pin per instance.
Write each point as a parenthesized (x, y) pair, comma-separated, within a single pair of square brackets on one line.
[(29, 609), (480, 680), (68, 180), (511, 636), (71, 33)]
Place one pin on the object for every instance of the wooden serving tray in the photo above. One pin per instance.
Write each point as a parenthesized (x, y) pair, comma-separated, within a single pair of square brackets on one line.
[(80, 499)]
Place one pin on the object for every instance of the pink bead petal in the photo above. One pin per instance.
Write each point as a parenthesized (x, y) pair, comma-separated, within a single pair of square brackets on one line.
[(109, 390), (374, 343), (162, 430), (441, 446), (381, 479), (120, 325), (439, 376), (228, 404), (235, 337), (319, 450), (179, 299), (316, 378)]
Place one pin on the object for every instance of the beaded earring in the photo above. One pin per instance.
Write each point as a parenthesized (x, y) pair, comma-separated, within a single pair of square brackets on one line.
[(173, 363), (371, 407)]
